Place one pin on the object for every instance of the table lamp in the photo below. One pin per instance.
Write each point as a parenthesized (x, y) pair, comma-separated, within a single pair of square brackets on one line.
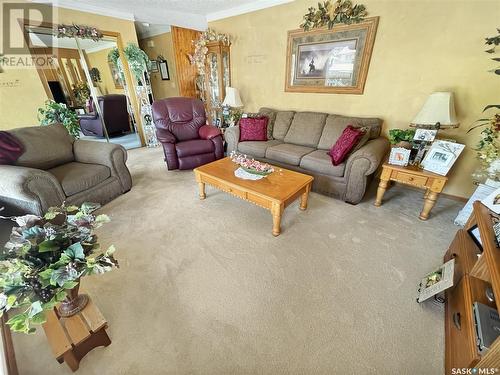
[(437, 113), (230, 105)]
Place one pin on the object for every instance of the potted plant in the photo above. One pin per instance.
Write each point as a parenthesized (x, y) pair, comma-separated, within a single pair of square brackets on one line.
[(44, 260), (58, 113), (401, 137)]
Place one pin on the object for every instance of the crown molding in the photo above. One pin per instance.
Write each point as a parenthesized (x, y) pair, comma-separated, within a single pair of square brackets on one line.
[(245, 8), (153, 30), (83, 7)]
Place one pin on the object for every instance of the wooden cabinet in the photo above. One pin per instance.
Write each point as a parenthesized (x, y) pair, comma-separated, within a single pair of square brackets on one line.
[(217, 78), (473, 276)]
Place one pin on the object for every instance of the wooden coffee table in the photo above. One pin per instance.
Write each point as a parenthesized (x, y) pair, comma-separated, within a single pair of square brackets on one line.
[(274, 192)]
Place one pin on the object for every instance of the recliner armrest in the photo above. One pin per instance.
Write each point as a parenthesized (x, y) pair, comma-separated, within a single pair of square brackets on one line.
[(208, 132), (374, 151), (164, 136)]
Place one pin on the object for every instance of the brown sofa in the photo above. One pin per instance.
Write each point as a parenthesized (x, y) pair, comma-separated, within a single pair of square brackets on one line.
[(300, 141), (55, 168)]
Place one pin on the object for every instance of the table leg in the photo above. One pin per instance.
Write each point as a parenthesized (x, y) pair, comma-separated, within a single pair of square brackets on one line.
[(304, 197), (201, 186), (429, 202), (382, 187), (276, 211), (426, 194)]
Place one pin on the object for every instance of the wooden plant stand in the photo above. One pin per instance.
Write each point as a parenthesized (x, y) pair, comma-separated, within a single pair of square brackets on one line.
[(72, 338)]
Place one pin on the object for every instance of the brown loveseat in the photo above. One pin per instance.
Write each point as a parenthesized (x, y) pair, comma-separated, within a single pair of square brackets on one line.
[(301, 141), (55, 168)]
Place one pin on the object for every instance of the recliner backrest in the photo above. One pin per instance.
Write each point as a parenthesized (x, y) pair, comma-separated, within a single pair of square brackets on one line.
[(180, 116)]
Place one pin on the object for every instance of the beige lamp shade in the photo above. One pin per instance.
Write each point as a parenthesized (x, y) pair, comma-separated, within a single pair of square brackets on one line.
[(232, 98), (439, 108)]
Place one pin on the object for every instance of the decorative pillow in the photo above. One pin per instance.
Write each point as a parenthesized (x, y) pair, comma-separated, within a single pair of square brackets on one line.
[(10, 148), (344, 145), (253, 129), (365, 138)]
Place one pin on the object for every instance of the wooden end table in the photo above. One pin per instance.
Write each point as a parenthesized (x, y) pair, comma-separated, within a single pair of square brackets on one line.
[(274, 192), (73, 337), (414, 176)]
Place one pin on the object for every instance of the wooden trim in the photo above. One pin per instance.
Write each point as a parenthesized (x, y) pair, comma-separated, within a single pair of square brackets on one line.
[(8, 346), (370, 24)]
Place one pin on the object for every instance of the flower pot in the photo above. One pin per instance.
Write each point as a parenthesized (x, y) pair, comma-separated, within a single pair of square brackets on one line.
[(74, 302)]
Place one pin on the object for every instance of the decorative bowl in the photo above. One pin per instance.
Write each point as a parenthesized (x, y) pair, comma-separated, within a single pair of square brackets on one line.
[(254, 171)]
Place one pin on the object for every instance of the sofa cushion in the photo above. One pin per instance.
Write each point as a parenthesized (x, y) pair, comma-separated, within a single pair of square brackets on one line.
[(271, 115), (45, 147), (319, 161), (306, 129), (253, 129), (288, 153), (336, 124), (194, 147), (257, 149), (75, 177), (282, 123)]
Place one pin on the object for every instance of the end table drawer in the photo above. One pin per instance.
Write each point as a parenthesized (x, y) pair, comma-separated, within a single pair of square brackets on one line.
[(411, 179)]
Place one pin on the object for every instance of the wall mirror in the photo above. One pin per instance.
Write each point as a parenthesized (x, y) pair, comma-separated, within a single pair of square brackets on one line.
[(81, 76)]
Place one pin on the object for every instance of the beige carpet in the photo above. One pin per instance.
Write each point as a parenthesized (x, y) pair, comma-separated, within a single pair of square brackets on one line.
[(204, 287)]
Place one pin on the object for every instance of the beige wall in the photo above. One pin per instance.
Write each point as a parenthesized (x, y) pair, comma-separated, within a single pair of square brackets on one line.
[(99, 60), (162, 46), (420, 47), (19, 104)]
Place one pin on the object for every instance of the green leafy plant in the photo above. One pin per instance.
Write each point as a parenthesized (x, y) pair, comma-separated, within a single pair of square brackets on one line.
[(330, 13), (81, 92), (401, 135), (95, 75), (45, 257), (58, 113), (137, 60)]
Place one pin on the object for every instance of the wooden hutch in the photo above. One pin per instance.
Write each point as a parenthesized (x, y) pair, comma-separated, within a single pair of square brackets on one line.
[(475, 272), (217, 78)]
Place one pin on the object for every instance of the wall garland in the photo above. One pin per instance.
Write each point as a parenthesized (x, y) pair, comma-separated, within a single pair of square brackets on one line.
[(330, 13), (78, 31), (200, 48)]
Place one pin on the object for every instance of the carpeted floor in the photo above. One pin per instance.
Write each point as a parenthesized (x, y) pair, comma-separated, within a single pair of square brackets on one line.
[(204, 287)]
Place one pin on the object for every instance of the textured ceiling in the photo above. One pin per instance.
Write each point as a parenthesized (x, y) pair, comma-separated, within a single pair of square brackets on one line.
[(185, 13)]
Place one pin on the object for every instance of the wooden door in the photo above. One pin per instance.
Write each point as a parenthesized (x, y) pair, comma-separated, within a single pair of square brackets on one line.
[(186, 72)]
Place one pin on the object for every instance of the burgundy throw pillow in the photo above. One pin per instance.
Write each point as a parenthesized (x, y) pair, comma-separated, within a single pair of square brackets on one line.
[(253, 129), (346, 142), (10, 148)]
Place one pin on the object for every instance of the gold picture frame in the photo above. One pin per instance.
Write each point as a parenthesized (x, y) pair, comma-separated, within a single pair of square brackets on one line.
[(342, 58)]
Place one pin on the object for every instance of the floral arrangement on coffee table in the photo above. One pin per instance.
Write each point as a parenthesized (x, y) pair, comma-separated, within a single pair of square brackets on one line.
[(45, 258), (251, 165)]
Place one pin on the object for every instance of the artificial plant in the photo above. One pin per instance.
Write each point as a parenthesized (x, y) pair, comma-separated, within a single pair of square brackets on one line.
[(198, 58), (54, 112), (401, 135), (137, 60), (488, 147), (331, 12), (81, 92), (45, 257)]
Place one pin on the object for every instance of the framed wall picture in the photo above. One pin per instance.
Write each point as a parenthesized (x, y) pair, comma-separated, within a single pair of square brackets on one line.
[(115, 74), (330, 61), (399, 156), (164, 70), (153, 66), (441, 156)]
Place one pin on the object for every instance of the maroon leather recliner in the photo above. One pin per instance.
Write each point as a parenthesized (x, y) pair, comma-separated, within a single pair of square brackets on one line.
[(181, 128)]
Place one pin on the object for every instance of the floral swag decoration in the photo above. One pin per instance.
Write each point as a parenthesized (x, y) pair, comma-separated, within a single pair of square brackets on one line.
[(330, 13), (78, 31), (200, 48)]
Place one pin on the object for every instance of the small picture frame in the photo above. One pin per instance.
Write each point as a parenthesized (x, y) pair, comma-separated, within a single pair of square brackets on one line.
[(425, 135), (476, 236), (165, 76), (441, 156), (399, 156), (153, 66)]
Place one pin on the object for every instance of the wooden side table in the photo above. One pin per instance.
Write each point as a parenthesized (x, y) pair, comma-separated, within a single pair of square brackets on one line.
[(411, 175), (72, 338)]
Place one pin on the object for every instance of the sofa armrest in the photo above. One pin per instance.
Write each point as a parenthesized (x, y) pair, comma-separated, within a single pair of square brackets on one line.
[(373, 151), (164, 136), (232, 137), (88, 116), (111, 155), (29, 190)]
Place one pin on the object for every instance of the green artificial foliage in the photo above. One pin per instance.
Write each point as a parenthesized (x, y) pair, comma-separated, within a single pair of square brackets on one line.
[(45, 257), (401, 135), (331, 12), (58, 113), (137, 59)]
